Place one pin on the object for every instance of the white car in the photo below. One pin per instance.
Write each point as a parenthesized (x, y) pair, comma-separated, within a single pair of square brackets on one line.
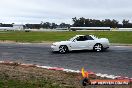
[(81, 42)]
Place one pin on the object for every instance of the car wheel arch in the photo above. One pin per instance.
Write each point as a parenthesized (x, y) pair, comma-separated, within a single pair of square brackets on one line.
[(64, 45), (98, 43)]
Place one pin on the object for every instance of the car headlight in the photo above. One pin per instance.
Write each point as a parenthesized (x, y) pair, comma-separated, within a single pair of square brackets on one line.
[(53, 45)]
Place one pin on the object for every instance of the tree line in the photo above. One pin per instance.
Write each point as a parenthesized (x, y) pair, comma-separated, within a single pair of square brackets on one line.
[(47, 25), (83, 22), (77, 22)]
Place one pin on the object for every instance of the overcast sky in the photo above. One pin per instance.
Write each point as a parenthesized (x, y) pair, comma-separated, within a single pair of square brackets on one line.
[(35, 11)]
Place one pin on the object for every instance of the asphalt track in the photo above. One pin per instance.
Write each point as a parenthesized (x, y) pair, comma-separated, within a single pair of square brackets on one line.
[(117, 60)]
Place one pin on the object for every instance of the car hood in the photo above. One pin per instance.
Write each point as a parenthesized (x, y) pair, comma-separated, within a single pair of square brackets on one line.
[(62, 43)]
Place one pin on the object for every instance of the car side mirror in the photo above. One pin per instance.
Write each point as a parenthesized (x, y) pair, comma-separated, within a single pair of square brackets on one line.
[(74, 40)]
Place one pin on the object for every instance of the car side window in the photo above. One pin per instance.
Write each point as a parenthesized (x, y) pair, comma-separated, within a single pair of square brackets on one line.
[(89, 38), (81, 38)]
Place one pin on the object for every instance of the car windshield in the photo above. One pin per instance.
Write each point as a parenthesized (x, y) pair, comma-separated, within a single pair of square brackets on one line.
[(71, 39)]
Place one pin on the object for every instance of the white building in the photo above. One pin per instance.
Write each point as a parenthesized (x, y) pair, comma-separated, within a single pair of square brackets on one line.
[(15, 27), (6, 28), (18, 26)]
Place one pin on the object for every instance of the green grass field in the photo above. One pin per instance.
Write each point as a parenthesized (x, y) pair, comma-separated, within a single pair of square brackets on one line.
[(113, 36)]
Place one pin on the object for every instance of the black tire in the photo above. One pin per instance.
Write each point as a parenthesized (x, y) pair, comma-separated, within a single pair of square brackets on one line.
[(63, 49), (98, 47)]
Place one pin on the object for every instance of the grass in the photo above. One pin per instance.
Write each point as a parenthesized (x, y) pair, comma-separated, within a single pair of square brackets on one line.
[(17, 36), (12, 83)]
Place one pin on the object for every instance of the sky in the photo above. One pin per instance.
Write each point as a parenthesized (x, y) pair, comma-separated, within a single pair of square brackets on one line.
[(58, 11)]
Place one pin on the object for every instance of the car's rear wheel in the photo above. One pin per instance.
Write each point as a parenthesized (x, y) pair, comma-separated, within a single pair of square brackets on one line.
[(98, 47), (63, 49)]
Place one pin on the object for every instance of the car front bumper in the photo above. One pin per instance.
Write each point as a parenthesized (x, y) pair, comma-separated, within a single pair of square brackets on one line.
[(54, 48)]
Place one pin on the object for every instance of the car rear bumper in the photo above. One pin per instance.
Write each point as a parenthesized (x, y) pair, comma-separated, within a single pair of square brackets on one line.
[(106, 46)]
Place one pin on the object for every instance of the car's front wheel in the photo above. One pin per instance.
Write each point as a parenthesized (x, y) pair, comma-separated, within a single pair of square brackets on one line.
[(63, 49), (98, 47)]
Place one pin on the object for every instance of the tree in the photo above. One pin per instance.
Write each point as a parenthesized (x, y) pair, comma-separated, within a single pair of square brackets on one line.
[(53, 26), (64, 25), (125, 23)]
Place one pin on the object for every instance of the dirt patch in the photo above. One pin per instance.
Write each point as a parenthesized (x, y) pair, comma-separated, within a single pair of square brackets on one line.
[(7, 41), (31, 73), (16, 42), (68, 80)]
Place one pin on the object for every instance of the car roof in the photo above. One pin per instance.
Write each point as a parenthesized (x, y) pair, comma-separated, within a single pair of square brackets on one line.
[(83, 35), (80, 35)]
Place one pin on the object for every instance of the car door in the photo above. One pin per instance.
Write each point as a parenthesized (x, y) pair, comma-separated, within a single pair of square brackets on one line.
[(90, 42), (79, 43)]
